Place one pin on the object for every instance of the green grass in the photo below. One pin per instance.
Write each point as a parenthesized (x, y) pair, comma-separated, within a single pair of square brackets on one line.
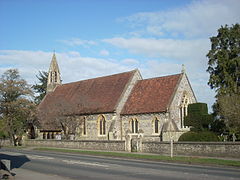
[(181, 159), (14, 147)]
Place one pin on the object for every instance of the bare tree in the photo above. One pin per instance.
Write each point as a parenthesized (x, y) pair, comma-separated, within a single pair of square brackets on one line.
[(71, 125)]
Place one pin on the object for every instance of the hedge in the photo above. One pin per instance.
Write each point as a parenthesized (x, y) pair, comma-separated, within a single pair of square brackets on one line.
[(198, 136)]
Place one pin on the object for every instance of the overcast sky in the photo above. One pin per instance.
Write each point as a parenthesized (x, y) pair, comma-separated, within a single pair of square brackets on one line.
[(101, 37)]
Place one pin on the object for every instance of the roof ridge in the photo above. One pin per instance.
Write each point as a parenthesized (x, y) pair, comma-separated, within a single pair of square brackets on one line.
[(99, 77), (161, 77)]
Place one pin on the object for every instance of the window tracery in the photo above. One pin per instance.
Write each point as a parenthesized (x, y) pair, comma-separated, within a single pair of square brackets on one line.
[(183, 109)]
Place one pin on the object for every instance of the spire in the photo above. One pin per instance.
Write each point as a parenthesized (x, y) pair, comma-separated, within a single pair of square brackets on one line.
[(183, 69), (53, 74)]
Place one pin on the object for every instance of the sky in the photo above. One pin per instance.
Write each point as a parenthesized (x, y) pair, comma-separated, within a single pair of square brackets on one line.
[(95, 38)]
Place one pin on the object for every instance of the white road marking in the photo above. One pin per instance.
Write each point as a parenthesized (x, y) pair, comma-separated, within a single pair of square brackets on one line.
[(38, 157), (84, 163), (11, 153)]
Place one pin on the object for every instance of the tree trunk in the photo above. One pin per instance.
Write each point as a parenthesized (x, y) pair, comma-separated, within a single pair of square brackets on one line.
[(13, 140)]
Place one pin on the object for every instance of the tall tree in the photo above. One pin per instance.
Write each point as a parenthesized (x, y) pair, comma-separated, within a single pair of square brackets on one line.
[(224, 69), (41, 88), (16, 107), (224, 60)]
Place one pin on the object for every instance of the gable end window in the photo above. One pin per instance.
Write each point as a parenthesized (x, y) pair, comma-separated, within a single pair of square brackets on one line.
[(183, 109)]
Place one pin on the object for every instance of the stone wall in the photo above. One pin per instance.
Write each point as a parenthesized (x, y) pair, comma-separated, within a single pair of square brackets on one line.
[(167, 136), (87, 144), (211, 149), (4, 142), (208, 149), (146, 124)]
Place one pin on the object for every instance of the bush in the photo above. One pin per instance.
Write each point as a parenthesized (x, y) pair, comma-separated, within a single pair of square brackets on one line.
[(198, 117), (3, 135), (198, 136)]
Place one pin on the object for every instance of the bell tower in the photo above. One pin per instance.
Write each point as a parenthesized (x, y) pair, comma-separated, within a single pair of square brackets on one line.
[(53, 75)]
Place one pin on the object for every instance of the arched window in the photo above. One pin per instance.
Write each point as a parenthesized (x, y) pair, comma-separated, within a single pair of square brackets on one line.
[(156, 126), (55, 76), (51, 77), (183, 109), (134, 125), (102, 125), (84, 127)]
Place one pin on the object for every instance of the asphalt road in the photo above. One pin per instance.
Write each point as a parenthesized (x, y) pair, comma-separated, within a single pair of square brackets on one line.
[(86, 167)]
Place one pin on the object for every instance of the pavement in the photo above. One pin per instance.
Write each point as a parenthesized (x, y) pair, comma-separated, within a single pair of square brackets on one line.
[(23, 174)]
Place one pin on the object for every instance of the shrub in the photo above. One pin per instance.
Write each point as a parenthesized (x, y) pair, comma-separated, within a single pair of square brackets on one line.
[(2, 135), (198, 117), (198, 136)]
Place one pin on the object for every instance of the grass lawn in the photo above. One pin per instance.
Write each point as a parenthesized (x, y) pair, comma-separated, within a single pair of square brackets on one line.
[(181, 159)]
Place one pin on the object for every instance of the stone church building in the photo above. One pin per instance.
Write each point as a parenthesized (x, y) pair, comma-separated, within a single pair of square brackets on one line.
[(115, 107)]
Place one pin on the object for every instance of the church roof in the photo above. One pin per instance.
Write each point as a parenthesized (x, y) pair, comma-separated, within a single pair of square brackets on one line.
[(98, 95), (151, 95)]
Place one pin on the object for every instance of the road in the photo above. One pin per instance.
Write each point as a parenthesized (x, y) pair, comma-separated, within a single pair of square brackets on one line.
[(86, 167)]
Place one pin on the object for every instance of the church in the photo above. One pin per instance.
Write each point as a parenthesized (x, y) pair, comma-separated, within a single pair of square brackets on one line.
[(115, 107)]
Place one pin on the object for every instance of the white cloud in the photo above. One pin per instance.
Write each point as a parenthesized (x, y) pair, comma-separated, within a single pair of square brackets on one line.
[(72, 65), (198, 19), (167, 48), (28, 62), (130, 61), (104, 52), (77, 42)]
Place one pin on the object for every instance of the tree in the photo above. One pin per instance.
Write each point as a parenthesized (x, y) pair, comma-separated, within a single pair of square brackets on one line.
[(16, 107), (41, 88), (224, 69), (229, 106), (224, 60), (70, 125), (199, 121), (198, 117)]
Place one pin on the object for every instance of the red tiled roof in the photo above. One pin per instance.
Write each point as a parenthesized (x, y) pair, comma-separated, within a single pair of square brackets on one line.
[(98, 95), (151, 95)]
